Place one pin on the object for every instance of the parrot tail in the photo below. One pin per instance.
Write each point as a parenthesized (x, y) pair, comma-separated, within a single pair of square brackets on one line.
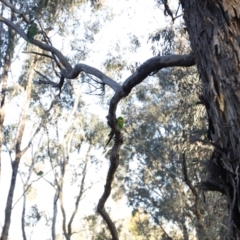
[(111, 134)]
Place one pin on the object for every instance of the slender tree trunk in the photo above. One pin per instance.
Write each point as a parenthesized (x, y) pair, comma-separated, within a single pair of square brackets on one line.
[(18, 153), (8, 209), (7, 63), (26, 186), (55, 200), (214, 30), (3, 90), (23, 218), (7, 56)]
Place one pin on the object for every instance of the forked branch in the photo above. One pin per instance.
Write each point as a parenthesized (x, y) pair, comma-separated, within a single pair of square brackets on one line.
[(149, 67)]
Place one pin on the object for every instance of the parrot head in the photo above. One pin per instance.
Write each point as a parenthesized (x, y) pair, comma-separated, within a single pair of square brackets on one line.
[(120, 122), (120, 119), (34, 25)]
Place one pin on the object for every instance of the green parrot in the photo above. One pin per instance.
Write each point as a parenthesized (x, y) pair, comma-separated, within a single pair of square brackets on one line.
[(32, 31), (120, 123), (40, 173)]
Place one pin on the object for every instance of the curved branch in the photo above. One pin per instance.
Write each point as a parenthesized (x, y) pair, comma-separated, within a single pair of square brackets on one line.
[(152, 65), (108, 187), (155, 64), (69, 72), (41, 45), (93, 71)]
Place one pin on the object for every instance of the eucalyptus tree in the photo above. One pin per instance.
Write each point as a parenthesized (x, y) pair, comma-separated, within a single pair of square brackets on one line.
[(7, 43), (213, 31), (65, 163)]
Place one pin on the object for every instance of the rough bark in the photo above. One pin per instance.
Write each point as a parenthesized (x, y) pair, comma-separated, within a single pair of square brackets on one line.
[(214, 30)]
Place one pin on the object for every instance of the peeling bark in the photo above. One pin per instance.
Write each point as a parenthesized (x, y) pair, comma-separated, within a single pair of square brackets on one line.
[(214, 30)]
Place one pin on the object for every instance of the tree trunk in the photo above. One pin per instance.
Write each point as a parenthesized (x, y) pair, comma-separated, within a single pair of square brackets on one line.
[(7, 57), (18, 153), (214, 30)]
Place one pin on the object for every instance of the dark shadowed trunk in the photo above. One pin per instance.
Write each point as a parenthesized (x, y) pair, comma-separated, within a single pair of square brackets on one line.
[(214, 30)]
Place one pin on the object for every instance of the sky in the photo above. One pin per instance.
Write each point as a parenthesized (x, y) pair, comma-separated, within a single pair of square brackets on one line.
[(136, 17)]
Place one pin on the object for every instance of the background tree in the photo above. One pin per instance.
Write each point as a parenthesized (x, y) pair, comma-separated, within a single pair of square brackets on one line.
[(168, 158), (33, 95)]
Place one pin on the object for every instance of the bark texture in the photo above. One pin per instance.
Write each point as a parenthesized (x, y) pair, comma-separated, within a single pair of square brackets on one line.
[(214, 30)]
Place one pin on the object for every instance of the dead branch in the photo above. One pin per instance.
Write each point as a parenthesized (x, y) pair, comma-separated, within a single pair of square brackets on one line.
[(151, 65)]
